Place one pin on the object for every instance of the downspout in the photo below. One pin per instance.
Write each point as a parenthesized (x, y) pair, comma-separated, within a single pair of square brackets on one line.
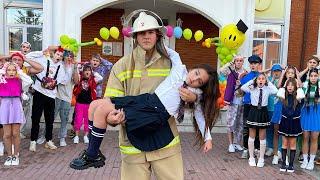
[(305, 29)]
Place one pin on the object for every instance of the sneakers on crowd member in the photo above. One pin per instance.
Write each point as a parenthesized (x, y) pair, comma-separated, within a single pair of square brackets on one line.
[(231, 148), (256, 153), (15, 161), (310, 165), (32, 146), (72, 134), (252, 162), (290, 169), (50, 145), (283, 168), (41, 140), (238, 147), (22, 136), (84, 162), (244, 154), (317, 162), (304, 164), (275, 159), (63, 142), (85, 139), (260, 163), (8, 161), (1, 149), (269, 152), (76, 140)]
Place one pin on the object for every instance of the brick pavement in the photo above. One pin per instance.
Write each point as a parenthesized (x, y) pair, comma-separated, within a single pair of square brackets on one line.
[(218, 164)]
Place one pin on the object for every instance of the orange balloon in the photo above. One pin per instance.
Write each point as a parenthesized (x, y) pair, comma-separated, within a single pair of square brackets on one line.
[(203, 44)]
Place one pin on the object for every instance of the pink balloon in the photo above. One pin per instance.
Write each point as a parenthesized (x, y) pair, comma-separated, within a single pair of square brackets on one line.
[(126, 31), (169, 30)]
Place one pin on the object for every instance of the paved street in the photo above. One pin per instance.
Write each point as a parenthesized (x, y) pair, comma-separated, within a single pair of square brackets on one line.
[(218, 164)]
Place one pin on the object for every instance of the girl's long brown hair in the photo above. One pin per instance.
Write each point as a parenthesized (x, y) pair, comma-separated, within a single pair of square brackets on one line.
[(208, 102), (294, 94)]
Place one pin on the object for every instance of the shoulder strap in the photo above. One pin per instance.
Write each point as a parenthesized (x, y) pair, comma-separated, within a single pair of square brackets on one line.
[(48, 66), (55, 76), (232, 72)]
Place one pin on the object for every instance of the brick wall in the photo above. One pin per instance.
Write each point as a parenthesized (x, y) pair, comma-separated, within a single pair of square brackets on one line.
[(191, 52), (90, 29), (297, 32)]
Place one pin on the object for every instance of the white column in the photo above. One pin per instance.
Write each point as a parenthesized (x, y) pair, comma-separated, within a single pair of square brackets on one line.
[(285, 40), (59, 20), (2, 29), (47, 29)]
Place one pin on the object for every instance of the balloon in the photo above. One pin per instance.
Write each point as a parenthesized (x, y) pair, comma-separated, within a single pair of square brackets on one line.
[(233, 52), (203, 44), (221, 57), (104, 33), (98, 41), (187, 34), (126, 31), (114, 32), (72, 41), (64, 39), (218, 50), (208, 40), (208, 45), (229, 57), (169, 31), (225, 51), (233, 35), (198, 35), (177, 32)]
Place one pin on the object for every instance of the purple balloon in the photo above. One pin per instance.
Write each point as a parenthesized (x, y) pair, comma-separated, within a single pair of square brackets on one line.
[(169, 31)]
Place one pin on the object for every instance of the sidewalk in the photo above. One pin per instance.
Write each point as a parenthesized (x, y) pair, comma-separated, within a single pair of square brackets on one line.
[(217, 164)]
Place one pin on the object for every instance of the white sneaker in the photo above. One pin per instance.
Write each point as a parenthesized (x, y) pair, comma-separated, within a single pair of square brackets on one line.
[(8, 161), (275, 160), (41, 140), (76, 140), (269, 152), (238, 147), (15, 161), (22, 136), (1, 149), (50, 145), (231, 149), (304, 164), (85, 139), (63, 142), (310, 165), (244, 154), (252, 162), (32, 146), (260, 163)]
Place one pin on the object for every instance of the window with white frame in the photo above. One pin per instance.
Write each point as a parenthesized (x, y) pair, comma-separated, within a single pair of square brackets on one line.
[(23, 24), (267, 43)]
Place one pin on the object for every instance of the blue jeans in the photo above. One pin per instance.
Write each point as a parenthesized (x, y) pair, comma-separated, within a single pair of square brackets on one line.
[(63, 108)]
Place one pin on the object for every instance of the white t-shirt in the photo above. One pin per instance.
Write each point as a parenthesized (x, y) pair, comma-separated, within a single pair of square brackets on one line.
[(64, 91), (43, 60)]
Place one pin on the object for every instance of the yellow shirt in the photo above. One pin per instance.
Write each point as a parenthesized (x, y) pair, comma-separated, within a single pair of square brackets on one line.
[(131, 76)]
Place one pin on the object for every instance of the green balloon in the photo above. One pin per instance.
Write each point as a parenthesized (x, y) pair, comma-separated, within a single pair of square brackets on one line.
[(221, 57), (72, 41), (64, 39), (225, 51), (104, 33), (187, 34), (229, 57), (218, 50), (233, 51)]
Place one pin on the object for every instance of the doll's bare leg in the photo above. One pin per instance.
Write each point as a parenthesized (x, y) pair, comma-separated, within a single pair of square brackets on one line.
[(94, 104), (101, 113)]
